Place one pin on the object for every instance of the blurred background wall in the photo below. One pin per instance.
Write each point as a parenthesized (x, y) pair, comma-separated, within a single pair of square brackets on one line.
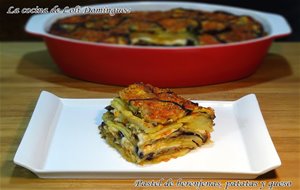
[(12, 25)]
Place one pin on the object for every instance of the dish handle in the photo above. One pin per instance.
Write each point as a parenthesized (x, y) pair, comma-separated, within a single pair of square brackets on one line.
[(278, 24), (36, 24)]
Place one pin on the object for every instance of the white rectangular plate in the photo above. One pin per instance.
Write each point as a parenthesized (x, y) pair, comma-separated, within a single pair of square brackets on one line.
[(62, 141)]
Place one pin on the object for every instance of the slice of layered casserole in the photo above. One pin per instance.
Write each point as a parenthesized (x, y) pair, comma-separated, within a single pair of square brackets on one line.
[(147, 124)]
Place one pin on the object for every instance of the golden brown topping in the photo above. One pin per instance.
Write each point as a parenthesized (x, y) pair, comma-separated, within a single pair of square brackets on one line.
[(88, 35), (212, 26), (157, 111), (178, 25), (206, 39), (158, 105), (175, 27), (137, 91)]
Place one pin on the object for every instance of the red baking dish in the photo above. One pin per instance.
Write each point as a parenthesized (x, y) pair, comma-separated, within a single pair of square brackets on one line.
[(159, 66)]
